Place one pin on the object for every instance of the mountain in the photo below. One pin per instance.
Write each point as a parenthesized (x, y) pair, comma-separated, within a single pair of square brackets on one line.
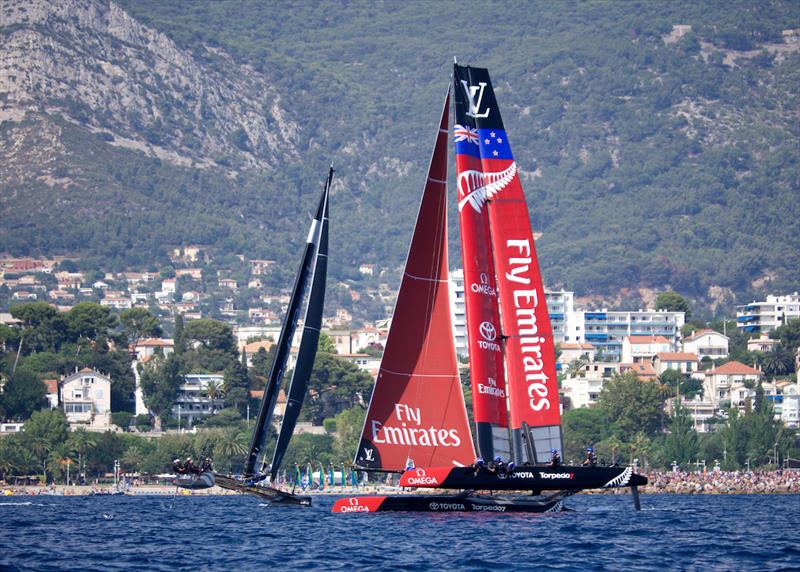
[(658, 142)]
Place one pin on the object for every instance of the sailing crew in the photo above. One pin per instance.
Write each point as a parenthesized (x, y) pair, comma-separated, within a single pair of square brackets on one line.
[(591, 458), (189, 466), (206, 466), (497, 466), (178, 468), (555, 458), (478, 465)]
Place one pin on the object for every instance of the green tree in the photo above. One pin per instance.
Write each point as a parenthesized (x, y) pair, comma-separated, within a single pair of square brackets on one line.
[(50, 425), (632, 405), (334, 385), (23, 394), (160, 380), (325, 344), (89, 320), (179, 344), (137, 323), (681, 444), (309, 448), (211, 334), (348, 430), (582, 428), (673, 302), (236, 386)]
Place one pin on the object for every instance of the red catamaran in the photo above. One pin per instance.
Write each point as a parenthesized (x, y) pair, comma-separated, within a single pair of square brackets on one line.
[(416, 417)]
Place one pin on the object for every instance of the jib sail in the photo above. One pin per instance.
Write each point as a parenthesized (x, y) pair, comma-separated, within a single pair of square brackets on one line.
[(417, 413)]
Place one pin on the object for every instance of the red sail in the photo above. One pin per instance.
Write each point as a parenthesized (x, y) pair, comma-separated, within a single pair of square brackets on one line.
[(417, 408), (492, 184), (480, 298)]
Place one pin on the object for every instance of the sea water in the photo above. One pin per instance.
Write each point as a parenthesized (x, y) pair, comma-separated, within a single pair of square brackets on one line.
[(672, 532)]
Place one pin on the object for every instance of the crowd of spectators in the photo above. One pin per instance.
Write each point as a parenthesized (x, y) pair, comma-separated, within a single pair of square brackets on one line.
[(721, 482)]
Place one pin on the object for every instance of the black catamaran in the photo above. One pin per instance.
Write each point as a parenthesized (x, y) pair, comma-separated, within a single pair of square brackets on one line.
[(416, 418), (259, 473)]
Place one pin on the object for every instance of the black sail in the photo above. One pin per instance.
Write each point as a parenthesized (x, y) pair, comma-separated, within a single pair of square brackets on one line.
[(273, 386), (308, 343)]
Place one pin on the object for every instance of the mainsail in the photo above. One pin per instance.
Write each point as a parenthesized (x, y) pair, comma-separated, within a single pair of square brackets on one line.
[(487, 375), (417, 413), (311, 260), (310, 338), (493, 210)]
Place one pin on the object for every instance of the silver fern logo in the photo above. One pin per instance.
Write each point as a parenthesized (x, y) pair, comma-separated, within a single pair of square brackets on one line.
[(476, 187)]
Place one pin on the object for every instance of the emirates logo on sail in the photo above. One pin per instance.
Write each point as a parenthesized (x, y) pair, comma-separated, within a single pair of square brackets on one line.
[(477, 187)]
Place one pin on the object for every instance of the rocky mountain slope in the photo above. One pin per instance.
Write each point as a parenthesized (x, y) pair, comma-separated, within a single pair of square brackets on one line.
[(659, 148)]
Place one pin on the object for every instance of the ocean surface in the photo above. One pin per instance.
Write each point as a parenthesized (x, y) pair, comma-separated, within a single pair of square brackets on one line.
[(672, 532)]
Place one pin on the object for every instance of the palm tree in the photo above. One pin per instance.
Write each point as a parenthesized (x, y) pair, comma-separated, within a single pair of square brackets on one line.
[(79, 441), (132, 458), (213, 391)]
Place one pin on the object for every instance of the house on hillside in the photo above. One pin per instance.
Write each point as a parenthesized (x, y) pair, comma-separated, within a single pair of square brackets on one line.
[(637, 349), (149, 347), (763, 343), (86, 399), (575, 351), (686, 363), (644, 370), (719, 381), (707, 343)]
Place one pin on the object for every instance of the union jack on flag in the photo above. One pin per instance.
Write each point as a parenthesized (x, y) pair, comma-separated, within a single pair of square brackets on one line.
[(467, 134)]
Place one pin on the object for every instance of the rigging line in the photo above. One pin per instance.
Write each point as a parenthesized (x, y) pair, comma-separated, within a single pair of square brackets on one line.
[(423, 278), (450, 375)]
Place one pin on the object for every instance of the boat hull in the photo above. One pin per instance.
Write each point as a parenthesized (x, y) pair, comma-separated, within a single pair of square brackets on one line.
[(449, 503), (523, 478), (195, 481), (264, 492)]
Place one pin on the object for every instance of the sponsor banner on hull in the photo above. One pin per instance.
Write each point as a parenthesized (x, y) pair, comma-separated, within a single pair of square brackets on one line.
[(357, 504), (424, 477)]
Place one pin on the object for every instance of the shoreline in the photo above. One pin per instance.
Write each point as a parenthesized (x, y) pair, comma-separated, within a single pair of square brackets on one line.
[(171, 490)]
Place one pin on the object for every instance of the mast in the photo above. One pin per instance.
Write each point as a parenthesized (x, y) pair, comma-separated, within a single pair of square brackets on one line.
[(417, 407), (487, 372), (273, 386), (309, 340), (493, 185)]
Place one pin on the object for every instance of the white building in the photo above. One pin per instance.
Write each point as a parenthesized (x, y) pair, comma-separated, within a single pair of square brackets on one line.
[(604, 329), (193, 400), (707, 343), (763, 343), (719, 381), (637, 349), (685, 363), (86, 399), (149, 347), (766, 316)]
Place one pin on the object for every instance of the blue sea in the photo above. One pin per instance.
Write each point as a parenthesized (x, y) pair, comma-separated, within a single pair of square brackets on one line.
[(672, 532)]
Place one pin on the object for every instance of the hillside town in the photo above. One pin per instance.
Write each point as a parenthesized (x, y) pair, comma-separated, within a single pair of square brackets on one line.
[(594, 345)]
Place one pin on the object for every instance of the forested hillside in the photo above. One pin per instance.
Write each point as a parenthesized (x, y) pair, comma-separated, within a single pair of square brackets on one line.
[(652, 156)]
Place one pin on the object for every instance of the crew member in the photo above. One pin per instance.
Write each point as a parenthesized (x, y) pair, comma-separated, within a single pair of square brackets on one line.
[(478, 465), (177, 467), (555, 458), (497, 466), (591, 458), (206, 466)]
